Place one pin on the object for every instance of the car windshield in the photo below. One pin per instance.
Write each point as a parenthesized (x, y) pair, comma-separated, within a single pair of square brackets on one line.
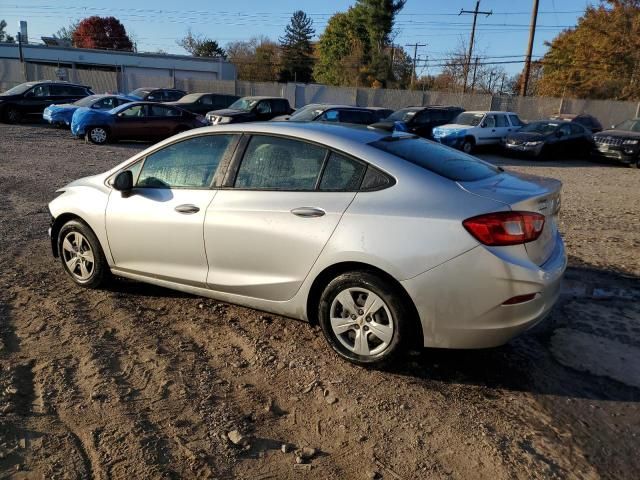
[(471, 119), (540, 127), (437, 158), (140, 92), (18, 89), (192, 97), (307, 113), (86, 101), (244, 104), (403, 115), (629, 126)]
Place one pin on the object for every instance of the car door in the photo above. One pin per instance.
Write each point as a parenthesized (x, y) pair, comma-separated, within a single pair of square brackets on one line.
[(37, 99), (486, 132), (163, 121), (503, 127), (264, 233), (157, 228), (132, 122)]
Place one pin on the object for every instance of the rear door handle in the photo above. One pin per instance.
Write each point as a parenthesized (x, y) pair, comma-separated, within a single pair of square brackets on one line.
[(187, 209), (308, 212)]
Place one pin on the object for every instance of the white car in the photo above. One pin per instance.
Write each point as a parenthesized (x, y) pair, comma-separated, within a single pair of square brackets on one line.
[(477, 128)]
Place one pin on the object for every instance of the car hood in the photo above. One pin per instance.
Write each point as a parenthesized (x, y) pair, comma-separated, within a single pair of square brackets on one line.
[(450, 129), (527, 136), (63, 106), (83, 114), (228, 112), (614, 133)]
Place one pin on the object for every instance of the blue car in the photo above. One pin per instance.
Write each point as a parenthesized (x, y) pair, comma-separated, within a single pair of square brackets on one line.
[(61, 115)]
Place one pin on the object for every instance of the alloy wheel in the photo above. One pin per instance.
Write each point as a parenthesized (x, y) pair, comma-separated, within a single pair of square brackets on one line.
[(361, 321), (13, 115), (78, 256), (98, 135)]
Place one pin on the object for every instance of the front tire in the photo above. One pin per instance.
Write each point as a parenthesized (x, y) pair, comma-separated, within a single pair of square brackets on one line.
[(12, 115), (98, 135), (363, 318), (468, 146), (81, 255)]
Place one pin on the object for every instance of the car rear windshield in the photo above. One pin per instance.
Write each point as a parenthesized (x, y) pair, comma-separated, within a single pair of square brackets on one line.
[(86, 101), (444, 161), (629, 126), (140, 92), (403, 115), (307, 114), (18, 89)]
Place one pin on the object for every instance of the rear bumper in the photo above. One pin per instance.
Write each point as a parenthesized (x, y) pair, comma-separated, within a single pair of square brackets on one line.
[(460, 302)]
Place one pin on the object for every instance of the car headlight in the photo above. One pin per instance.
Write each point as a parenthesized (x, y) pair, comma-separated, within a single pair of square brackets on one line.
[(630, 142), (532, 144)]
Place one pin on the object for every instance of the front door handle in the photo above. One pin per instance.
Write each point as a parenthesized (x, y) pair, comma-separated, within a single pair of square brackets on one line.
[(187, 209), (308, 212)]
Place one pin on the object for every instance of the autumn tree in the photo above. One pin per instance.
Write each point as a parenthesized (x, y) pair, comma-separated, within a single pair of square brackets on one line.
[(106, 33), (257, 59), (296, 49), (200, 46), (4, 37), (599, 58)]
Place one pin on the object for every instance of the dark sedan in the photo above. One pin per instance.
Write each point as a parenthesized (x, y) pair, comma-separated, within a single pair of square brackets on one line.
[(156, 94), (31, 98), (539, 139), (133, 121), (621, 143), (251, 109), (204, 102), (323, 112), (587, 121)]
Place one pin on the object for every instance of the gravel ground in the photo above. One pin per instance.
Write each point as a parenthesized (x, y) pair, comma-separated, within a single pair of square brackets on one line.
[(136, 381)]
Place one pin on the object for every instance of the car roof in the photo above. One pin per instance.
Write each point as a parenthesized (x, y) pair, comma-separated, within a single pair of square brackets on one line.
[(424, 107), (56, 82), (484, 112), (259, 97)]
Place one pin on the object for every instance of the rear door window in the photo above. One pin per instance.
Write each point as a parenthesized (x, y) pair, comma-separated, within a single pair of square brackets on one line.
[(576, 129), (342, 173), (163, 111), (273, 163), (41, 91), (134, 111), (191, 163), (437, 158), (501, 121)]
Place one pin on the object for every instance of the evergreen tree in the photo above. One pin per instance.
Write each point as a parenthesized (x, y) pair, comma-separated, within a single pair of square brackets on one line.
[(297, 51)]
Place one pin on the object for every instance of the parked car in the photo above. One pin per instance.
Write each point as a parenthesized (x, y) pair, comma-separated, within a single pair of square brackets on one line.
[(325, 112), (471, 129), (31, 98), (588, 121), (250, 109), (548, 137), (133, 121), (621, 143), (204, 102), (156, 94), (61, 114), (421, 120), (386, 240)]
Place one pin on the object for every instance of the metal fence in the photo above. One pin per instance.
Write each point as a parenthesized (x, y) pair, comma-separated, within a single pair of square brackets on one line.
[(122, 79)]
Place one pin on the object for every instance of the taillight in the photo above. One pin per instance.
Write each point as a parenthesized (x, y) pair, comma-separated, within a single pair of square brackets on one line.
[(505, 228)]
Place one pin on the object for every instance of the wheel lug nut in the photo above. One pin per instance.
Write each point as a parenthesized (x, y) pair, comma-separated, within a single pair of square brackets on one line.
[(365, 328), (360, 312), (353, 316)]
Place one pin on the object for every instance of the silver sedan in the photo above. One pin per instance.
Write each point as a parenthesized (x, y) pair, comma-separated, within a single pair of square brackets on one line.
[(387, 241)]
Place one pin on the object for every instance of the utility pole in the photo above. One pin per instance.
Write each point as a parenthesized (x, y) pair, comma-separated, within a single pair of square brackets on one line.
[(527, 63), (20, 47), (473, 80), (415, 55), (475, 13)]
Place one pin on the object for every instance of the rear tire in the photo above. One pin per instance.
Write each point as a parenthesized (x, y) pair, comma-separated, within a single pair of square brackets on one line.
[(635, 163), (81, 255), (98, 135), (364, 318), (468, 145), (12, 115)]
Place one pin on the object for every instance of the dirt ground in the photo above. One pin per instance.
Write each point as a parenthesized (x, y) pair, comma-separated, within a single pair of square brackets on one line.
[(136, 381)]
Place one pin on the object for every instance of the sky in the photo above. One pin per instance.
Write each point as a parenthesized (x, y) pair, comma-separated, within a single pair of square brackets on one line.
[(156, 25)]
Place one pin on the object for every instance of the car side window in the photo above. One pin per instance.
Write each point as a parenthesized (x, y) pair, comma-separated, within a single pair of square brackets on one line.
[(501, 121), (191, 163), (106, 104), (41, 91), (342, 173), (356, 116), (206, 100), (330, 116), (490, 121), (162, 111), (273, 163), (576, 129), (135, 111), (515, 120), (565, 129), (264, 107), (422, 117)]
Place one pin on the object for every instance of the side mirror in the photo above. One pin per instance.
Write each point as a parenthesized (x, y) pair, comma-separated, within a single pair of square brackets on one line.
[(123, 181)]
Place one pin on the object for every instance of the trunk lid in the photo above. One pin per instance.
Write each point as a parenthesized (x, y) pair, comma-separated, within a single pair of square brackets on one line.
[(528, 193)]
